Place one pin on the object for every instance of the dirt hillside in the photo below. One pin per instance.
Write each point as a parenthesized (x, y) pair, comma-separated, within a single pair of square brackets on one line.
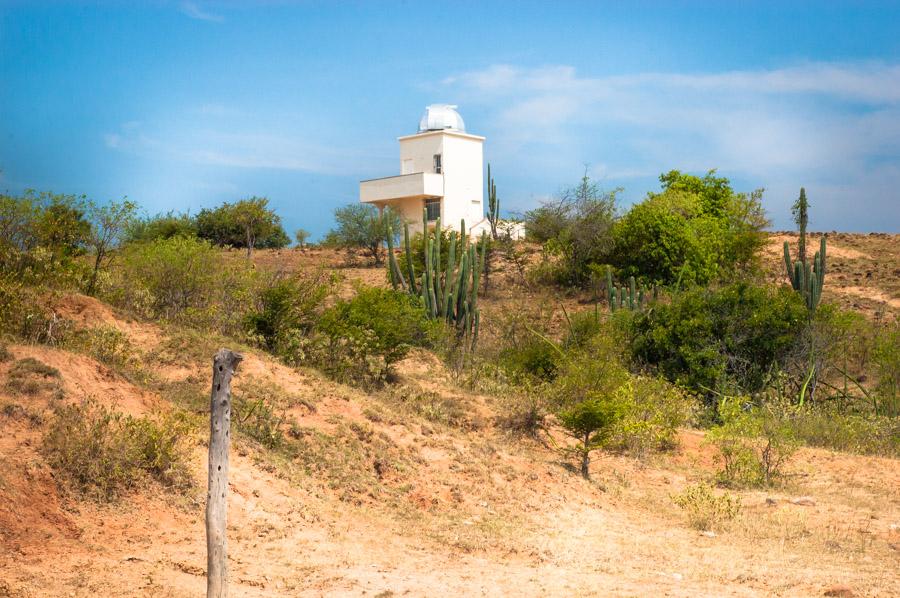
[(416, 491)]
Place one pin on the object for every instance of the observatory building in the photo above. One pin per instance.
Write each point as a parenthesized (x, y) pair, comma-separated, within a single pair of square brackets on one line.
[(441, 171)]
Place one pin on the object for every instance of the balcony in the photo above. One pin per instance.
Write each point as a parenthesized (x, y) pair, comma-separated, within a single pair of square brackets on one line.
[(418, 185)]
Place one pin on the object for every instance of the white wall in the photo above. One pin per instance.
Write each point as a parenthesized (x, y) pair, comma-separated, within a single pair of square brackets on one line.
[(462, 169), (463, 180)]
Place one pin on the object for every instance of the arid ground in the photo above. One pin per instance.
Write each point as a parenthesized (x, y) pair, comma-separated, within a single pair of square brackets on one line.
[(416, 491)]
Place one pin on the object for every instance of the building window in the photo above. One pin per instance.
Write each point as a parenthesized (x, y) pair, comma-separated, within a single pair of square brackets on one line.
[(433, 209), (438, 168)]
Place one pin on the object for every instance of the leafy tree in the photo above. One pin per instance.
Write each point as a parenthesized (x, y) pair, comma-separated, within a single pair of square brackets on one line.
[(590, 423), (110, 222), (360, 226), (714, 192), (160, 226), (256, 221), (40, 234), (692, 232), (576, 227), (60, 224), (665, 239), (17, 216), (248, 224), (301, 235), (369, 333)]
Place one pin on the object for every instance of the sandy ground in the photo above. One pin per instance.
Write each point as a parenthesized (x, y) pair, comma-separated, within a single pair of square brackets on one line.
[(399, 504)]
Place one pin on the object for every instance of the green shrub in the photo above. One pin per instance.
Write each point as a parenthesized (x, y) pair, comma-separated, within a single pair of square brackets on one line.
[(585, 396), (248, 223), (886, 358), (575, 229), (289, 306), (41, 237), (185, 280), (360, 226), (106, 344), (583, 326), (653, 411), (256, 413), (754, 442), (367, 334), (101, 454), (855, 433), (666, 239), (706, 510), (694, 231), (160, 226), (531, 357), (719, 339)]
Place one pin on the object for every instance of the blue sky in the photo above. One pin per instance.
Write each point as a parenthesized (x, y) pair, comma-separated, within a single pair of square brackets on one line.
[(182, 105)]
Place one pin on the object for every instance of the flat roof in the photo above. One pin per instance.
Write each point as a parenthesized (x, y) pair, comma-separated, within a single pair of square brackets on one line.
[(442, 132)]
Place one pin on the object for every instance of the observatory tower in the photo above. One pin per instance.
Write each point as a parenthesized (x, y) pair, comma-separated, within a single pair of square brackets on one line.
[(441, 170)]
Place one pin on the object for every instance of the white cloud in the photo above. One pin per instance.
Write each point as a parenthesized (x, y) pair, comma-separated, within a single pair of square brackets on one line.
[(192, 10), (240, 147), (823, 125)]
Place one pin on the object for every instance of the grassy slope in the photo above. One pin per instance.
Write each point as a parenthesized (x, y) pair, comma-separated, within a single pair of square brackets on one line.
[(414, 490)]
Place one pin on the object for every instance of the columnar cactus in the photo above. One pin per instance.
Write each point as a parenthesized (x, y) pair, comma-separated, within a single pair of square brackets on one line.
[(805, 279), (448, 291), (493, 215), (631, 297)]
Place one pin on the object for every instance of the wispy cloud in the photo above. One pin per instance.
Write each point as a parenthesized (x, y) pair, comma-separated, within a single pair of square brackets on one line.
[(194, 11), (829, 126), (240, 147)]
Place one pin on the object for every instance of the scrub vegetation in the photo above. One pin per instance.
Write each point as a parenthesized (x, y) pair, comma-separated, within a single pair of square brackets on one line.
[(649, 355)]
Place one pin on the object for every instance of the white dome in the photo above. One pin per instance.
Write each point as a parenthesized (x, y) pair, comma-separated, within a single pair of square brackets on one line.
[(439, 117)]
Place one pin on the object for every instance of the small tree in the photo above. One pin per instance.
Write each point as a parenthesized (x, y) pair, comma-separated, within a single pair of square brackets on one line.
[(576, 227), (110, 222), (585, 395), (590, 422), (61, 226), (360, 226), (301, 235), (256, 220), (249, 223)]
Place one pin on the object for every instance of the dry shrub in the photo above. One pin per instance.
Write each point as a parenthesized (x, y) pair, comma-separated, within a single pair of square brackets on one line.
[(754, 442), (100, 454), (706, 510), (32, 377)]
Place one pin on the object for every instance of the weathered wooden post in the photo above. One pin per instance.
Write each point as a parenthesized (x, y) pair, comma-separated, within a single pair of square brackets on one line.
[(224, 365)]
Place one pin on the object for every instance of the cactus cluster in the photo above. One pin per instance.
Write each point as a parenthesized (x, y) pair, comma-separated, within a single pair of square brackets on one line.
[(448, 290), (807, 279), (630, 297)]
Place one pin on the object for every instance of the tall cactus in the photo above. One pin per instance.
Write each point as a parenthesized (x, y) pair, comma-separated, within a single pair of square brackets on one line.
[(805, 279), (448, 290), (493, 214)]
